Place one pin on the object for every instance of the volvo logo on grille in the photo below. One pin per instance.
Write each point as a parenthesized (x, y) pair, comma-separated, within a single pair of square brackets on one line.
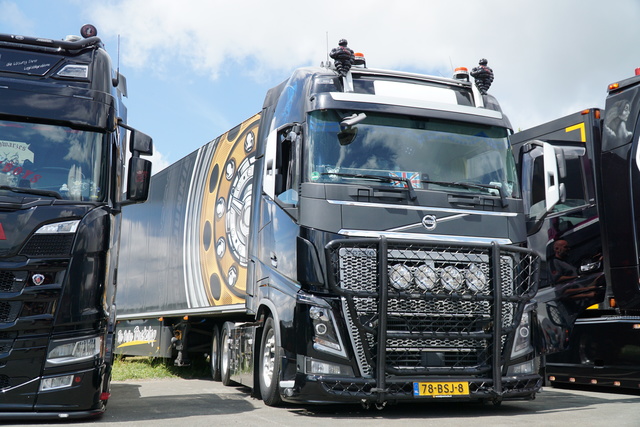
[(429, 222)]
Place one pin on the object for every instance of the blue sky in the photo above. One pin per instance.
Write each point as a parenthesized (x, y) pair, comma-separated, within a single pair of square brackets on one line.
[(196, 68)]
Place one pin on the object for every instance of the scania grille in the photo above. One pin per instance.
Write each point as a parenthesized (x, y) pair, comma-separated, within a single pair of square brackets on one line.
[(432, 307), (48, 245)]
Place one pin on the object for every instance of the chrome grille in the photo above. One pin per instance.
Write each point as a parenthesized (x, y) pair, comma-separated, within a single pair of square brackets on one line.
[(439, 329)]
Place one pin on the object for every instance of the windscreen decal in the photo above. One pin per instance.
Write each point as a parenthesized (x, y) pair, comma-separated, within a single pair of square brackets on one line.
[(414, 177), (15, 152)]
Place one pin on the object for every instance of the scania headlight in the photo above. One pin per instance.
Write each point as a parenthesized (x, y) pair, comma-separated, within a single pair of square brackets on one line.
[(59, 227), (476, 279), (452, 279), (73, 350), (400, 276)]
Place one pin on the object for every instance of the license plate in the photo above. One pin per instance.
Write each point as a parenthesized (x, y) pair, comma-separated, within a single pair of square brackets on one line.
[(441, 389)]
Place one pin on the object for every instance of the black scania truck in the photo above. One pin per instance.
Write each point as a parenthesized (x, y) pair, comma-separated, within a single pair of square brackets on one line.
[(62, 155), (361, 239)]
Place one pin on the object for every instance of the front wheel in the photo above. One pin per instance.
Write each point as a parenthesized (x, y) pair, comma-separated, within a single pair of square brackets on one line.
[(225, 353), (215, 354), (269, 364)]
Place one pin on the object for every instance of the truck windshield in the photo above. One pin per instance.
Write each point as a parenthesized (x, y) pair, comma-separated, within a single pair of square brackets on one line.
[(431, 153), (53, 161)]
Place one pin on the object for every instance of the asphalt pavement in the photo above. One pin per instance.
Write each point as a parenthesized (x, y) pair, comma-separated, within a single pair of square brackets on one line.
[(203, 402)]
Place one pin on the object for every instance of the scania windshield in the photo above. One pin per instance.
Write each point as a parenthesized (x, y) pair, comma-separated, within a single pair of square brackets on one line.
[(53, 161), (348, 146)]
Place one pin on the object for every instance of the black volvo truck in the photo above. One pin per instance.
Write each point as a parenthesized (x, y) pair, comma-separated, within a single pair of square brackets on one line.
[(360, 239)]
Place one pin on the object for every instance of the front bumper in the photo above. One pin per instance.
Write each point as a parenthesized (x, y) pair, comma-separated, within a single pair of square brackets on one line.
[(84, 399), (327, 389)]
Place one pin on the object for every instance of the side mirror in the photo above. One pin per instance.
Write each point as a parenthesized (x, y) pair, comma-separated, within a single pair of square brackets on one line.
[(139, 170), (140, 143), (347, 136), (553, 188), (138, 180)]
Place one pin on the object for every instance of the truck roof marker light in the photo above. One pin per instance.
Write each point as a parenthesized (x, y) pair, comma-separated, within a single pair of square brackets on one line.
[(614, 86), (461, 73), (637, 71), (359, 59)]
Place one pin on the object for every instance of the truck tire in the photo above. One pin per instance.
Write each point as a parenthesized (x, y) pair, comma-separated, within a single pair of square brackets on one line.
[(269, 364), (225, 353), (215, 354)]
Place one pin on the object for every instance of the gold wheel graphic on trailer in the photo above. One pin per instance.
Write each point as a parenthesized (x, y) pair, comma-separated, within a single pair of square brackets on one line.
[(226, 210)]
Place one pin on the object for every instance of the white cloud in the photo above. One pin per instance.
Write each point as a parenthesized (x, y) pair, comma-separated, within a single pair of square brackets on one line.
[(14, 17), (158, 161), (548, 56)]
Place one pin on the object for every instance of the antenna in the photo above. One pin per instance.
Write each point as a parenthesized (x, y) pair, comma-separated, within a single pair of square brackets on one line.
[(327, 38), (116, 80)]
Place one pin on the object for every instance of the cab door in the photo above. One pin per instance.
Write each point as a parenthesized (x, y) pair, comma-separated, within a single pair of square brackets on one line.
[(563, 228)]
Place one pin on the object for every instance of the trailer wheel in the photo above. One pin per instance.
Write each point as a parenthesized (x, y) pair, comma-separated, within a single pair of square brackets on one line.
[(269, 364), (215, 354), (225, 353)]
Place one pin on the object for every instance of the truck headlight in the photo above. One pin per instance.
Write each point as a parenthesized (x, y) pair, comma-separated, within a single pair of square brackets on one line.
[(476, 279), (522, 341), (55, 383), (426, 277), (452, 278), (325, 336), (320, 367), (66, 351), (400, 276), (524, 368), (59, 227)]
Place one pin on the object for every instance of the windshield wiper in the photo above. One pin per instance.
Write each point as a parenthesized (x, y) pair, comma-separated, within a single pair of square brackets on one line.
[(49, 193), (503, 198), (407, 181)]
